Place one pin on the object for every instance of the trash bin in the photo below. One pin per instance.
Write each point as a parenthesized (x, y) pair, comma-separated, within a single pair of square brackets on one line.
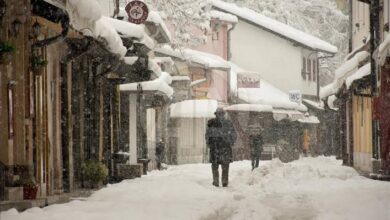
[(144, 162)]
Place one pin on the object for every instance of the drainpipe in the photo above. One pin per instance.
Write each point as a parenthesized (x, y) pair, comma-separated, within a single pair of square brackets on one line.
[(229, 54)]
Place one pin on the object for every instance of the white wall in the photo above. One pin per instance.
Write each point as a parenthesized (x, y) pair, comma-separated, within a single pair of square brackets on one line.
[(360, 23), (277, 60), (191, 142)]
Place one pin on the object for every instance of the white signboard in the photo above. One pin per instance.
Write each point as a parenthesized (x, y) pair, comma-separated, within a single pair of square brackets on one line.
[(295, 96), (248, 80)]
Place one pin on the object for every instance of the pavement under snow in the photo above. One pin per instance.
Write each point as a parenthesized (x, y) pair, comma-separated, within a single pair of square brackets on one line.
[(307, 189)]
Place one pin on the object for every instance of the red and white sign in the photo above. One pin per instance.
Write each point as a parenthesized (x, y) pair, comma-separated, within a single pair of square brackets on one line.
[(248, 80), (137, 11)]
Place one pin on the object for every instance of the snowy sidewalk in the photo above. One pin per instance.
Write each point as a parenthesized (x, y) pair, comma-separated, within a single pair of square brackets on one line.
[(311, 188)]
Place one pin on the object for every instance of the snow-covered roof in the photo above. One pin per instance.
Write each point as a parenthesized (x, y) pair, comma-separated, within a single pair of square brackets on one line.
[(159, 84), (317, 105), (125, 28), (280, 114), (250, 108), (198, 82), (166, 77), (206, 60), (310, 120), (331, 100), (153, 17), (276, 27), (181, 78), (267, 94), (86, 17), (343, 72), (362, 72), (222, 16), (204, 108)]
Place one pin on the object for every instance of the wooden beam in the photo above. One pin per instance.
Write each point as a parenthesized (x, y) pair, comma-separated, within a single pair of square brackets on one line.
[(48, 25)]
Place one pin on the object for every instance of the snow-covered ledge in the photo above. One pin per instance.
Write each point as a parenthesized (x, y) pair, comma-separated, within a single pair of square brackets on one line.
[(86, 17)]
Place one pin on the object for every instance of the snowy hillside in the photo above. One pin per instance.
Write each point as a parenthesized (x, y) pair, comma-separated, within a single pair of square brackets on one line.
[(320, 18)]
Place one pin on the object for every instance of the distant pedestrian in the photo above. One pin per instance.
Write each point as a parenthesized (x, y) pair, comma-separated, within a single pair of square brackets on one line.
[(306, 142), (220, 137), (256, 145), (160, 149)]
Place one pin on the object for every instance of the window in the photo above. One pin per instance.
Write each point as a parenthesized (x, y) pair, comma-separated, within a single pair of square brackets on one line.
[(315, 70), (303, 73), (215, 35), (309, 69)]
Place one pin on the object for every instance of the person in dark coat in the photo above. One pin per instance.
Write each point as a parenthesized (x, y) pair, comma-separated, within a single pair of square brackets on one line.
[(160, 148), (220, 137), (256, 145)]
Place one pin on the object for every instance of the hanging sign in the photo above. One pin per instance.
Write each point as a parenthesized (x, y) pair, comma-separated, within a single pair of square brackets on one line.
[(137, 11)]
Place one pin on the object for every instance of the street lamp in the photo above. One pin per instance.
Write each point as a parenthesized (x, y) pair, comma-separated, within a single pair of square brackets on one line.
[(16, 27)]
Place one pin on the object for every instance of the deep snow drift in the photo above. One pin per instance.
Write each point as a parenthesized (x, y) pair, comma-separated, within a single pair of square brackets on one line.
[(310, 188)]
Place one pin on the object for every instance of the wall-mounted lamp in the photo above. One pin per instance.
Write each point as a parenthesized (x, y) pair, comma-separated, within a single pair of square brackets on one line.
[(36, 29), (3, 9), (16, 27)]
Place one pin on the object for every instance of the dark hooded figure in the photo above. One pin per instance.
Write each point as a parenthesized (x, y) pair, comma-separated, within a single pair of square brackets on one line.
[(160, 148), (256, 145), (220, 137)]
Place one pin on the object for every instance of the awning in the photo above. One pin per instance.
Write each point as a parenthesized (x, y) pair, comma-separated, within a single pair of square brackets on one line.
[(309, 120), (292, 115)]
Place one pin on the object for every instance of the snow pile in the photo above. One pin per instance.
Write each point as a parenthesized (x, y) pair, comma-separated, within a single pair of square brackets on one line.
[(209, 61), (307, 189), (206, 60), (284, 175), (181, 78), (160, 84), (156, 18), (194, 109), (250, 108), (125, 28), (86, 17), (362, 72), (343, 72), (276, 26)]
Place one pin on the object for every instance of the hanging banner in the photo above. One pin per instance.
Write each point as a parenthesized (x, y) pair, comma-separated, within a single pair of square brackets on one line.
[(137, 11)]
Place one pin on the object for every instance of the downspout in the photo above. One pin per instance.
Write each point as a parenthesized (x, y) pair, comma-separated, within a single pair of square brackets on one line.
[(229, 57), (229, 54)]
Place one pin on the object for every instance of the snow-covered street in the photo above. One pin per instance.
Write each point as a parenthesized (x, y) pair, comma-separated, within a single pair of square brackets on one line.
[(310, 188)]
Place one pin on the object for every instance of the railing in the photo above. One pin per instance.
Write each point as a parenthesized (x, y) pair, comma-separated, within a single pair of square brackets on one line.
[(2, 181)]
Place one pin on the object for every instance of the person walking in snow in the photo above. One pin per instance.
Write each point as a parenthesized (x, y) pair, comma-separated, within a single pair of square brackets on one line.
[(160, 148), (306, 142), (256, 145), (220, 137)]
